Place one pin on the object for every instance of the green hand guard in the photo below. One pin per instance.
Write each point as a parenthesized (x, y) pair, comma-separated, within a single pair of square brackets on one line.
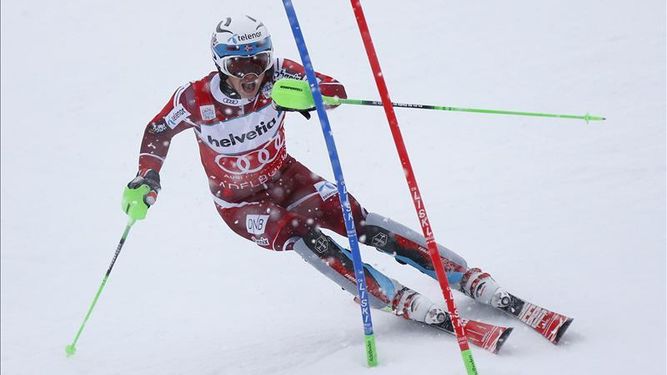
[(293, 94), (133, 202)]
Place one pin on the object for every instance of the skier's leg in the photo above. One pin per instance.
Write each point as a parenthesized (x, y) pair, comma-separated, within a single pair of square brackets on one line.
[(406, 245), (300, 202), (273, 227), (335, 262), (294, 204), (409, 247)]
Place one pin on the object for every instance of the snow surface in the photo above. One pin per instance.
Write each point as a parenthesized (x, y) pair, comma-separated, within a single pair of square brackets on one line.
[(567, 215)]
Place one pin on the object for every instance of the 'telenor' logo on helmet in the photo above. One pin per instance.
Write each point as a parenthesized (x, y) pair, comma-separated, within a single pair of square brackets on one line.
[(245, 37), (236, 38)]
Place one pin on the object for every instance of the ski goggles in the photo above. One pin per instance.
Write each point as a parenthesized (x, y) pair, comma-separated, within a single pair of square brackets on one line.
[(239, 66)]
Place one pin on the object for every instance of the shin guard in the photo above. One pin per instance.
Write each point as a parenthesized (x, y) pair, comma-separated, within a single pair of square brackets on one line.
[(409, 247)]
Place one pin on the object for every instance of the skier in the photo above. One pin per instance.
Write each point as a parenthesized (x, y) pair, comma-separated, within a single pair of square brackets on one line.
[(268, 197)]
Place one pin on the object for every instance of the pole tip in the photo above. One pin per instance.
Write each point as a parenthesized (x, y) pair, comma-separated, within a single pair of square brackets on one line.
[(70, 350)]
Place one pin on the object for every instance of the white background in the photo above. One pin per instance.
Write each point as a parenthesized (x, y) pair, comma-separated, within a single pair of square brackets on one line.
[(567, 215)]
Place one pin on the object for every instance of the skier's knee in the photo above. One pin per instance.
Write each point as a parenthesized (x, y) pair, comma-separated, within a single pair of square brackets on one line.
[(407, 246), (313, 243)]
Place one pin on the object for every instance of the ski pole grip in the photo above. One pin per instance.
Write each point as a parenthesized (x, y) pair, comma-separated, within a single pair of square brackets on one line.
[(293, 94), (133, 203)]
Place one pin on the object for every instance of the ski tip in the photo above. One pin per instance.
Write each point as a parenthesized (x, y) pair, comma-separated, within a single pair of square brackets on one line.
[(501, 340), (562, 330)]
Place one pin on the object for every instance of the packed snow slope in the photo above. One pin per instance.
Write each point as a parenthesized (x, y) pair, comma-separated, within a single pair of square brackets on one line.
[(567, 215)]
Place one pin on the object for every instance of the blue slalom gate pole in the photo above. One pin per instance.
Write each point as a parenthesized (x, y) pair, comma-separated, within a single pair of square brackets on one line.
[(362, 290)]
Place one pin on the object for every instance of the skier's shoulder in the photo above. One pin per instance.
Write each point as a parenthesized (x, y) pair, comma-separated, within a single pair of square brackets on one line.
[(188, 93), (200, 86)]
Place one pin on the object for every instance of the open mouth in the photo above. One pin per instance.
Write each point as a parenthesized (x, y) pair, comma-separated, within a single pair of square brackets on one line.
[(249, 86), (249, 83)]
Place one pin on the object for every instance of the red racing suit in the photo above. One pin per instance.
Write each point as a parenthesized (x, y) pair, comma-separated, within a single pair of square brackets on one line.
[(266, 196), (260, 191)]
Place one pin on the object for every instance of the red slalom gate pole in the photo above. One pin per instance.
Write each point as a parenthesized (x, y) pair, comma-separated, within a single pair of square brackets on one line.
[(414, 188)]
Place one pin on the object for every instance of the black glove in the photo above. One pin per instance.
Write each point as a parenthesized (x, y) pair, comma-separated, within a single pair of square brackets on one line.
[(304, 112), (150, 178)]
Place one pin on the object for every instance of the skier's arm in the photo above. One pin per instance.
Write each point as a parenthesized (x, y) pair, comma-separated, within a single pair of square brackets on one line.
[(329, 86), (171, 120)]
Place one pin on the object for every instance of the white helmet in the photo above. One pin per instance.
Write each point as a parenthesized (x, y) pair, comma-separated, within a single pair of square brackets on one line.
[(242, 45)]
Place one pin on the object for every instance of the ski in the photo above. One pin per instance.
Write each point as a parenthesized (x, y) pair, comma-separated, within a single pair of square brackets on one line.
[(486, 336), (549, 324)]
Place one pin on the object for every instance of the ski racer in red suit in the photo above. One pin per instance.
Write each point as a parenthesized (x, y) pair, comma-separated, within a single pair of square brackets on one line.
[(268, 197)]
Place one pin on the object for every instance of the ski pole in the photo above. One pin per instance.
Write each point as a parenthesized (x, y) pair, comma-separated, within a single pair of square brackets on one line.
[(134, 206), (362, 290), (587, 117), (289, 93), (417, 200), (70, 349)]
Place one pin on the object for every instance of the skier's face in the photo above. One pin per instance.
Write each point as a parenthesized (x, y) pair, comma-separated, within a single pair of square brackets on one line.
[(248, 86)]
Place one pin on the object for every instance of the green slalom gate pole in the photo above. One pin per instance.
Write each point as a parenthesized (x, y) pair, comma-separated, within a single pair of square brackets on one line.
[(70, 349), (587, 117)]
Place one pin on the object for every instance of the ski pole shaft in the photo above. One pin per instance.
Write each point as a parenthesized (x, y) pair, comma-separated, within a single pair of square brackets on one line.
[(360, 278), (71, 348), (417, 200), (587, 117)]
